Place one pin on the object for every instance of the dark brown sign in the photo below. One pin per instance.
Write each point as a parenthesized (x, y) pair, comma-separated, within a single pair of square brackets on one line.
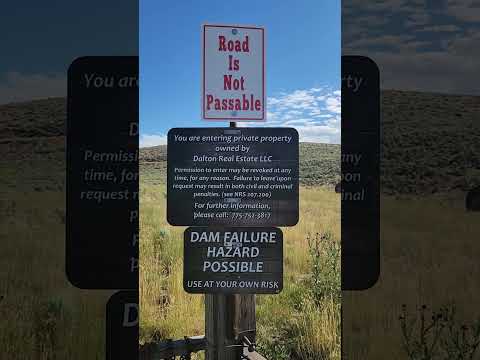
[(232, 177), (360, 185), (233, 260), (102, 173)]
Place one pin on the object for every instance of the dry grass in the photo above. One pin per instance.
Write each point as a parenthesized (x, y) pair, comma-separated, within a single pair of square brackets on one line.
[(167, 311), (429, 255), (42, 315), (161, 271)]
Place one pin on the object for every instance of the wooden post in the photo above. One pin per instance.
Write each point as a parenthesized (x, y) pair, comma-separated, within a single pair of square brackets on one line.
[(244, 317), (244, 308), (219, 328), (227, 319)]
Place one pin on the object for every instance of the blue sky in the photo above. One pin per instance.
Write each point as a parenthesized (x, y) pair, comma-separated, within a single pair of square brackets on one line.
[(42, 38), (302, 64), (421, 45)]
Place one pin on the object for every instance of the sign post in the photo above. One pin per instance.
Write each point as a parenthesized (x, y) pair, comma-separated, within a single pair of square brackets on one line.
[(233, 88), (227, 317), (232, 186)]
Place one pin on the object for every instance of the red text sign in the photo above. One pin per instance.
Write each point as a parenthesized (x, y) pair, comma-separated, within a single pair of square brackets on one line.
[(233, 73)]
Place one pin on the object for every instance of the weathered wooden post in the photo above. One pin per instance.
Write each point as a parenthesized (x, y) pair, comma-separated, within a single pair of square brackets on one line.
[(227, 319)]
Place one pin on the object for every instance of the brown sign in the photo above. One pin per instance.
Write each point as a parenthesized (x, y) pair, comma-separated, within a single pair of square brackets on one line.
[(233, 260), (232, 177)]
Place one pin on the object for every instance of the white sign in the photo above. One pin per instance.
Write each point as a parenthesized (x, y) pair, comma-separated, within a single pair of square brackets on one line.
[(233, 86)]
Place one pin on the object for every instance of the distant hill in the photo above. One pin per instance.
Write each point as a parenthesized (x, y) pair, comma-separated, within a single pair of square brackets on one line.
[(430, 144), (32, 146), (319, 164)]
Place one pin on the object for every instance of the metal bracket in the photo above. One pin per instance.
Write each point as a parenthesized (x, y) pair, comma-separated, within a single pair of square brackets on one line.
[(244, 342)]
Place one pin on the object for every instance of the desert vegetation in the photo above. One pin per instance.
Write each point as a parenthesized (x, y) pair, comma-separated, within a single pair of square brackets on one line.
[(42, 315), (302, 322), (429, 244)]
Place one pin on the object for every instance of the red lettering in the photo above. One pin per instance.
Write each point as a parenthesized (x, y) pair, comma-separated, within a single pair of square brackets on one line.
[(245, 45), (231, 45), (246, 104), (221, 40), (237, 84), (227, 82), (233, 64), (209, 101)]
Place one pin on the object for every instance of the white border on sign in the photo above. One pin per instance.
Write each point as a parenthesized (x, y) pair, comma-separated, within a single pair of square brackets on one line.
[(202, 70)]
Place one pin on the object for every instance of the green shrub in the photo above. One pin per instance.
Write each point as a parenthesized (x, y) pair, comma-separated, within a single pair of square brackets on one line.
[(461, 340), (438, 335), (324, 252), (49, 318)]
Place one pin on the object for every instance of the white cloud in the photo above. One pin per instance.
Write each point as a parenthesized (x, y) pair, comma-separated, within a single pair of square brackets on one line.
[(374, 20), (302, 122), (271, 115), (297, 100), (378, 5), (436, 50), (440, 28), (464, 10), (390, 41), (333, 104), (315, 116), (147, 140), (429, 71), (17, 87), (319, 134), (417, 19), (314, 112)]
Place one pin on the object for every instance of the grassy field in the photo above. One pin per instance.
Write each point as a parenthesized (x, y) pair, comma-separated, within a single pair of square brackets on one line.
[(429, 256), (43, 317), (305, 316), (429, 244)]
